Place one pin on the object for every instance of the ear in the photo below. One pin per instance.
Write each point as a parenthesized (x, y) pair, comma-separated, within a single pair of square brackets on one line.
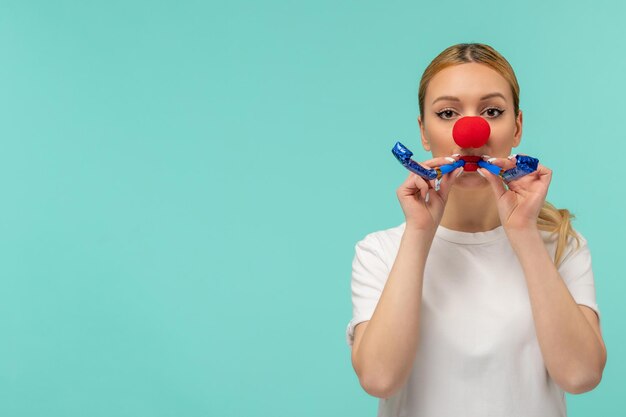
[(425, 142), (518, 130)]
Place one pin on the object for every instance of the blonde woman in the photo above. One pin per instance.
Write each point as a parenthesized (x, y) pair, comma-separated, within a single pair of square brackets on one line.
[(482, 303)]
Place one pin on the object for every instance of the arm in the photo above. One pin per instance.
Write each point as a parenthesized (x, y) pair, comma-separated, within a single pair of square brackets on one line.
[(384, 355), (572, 349)]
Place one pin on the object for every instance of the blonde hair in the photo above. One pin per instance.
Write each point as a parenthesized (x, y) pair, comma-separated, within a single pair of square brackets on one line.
[(556, 221)]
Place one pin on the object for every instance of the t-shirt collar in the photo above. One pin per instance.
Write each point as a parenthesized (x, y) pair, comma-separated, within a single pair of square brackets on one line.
[(457, 236)]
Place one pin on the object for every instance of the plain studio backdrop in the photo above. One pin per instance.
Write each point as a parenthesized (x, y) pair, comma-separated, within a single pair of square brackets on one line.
[(183, 183)]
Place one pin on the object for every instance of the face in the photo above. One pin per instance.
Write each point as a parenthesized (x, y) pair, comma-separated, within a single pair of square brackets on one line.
[(469, 83)]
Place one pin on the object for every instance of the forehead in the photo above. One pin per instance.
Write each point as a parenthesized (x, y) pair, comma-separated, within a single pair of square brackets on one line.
[(468, 81)]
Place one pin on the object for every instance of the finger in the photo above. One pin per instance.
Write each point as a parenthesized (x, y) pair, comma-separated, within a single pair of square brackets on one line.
[(447, 182), (543, 170), (439, 161), (522, 184), (503, 163), (496, 182), (414, 185), (422, 186)]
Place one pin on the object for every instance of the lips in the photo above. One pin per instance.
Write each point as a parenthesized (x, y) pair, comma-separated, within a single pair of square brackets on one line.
[(471, 162)]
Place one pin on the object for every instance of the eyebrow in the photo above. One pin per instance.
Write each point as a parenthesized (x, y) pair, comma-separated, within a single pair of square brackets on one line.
[(452, 98)]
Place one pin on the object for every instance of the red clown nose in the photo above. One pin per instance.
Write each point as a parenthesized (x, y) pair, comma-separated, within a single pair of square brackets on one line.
[(471, 132)]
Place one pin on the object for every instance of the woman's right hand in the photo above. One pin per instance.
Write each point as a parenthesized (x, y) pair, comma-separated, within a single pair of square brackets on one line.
[(419, 214)]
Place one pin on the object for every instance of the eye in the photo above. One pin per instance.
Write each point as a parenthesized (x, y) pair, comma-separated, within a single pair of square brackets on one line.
[(500, 111), (446, 112)]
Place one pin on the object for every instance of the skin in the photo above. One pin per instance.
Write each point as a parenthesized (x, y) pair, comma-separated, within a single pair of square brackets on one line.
[(471, 203), (569, 334)]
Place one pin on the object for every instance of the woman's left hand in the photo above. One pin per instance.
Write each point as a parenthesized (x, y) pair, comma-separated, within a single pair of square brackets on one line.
[(519, 205)]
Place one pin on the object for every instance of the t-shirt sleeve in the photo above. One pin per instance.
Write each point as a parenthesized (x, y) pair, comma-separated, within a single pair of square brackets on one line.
[(577, 273), (369, 274)]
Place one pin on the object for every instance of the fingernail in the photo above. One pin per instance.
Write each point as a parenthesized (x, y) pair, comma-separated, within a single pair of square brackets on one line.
[(491, 159), (459, 173), (456, 154), (480, 173), (450, 159), (512, 156), (486, 156), (427, 196)]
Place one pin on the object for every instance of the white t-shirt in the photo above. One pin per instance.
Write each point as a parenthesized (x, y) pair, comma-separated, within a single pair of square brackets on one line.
[(478, 353)]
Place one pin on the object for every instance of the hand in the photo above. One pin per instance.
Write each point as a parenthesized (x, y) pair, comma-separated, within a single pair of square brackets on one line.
[(519, 204), (419, 213)]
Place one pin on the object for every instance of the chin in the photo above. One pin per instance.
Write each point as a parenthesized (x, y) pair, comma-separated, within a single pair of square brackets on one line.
[(471, 179)]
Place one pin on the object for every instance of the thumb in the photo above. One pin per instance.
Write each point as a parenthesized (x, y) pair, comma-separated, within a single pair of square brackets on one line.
[(447, 183), (496, 182)]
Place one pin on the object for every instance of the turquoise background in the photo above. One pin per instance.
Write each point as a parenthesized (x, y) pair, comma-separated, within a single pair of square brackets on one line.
[(183, 184)]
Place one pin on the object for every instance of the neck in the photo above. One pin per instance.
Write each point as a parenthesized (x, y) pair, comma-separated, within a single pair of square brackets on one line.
[(471, 209)]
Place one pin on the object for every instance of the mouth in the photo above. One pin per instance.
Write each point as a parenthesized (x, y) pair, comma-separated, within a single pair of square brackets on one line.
[(471, 162)]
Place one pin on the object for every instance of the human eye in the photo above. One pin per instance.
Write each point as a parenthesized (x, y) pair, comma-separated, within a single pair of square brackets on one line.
[(497, 109), (446, 112)]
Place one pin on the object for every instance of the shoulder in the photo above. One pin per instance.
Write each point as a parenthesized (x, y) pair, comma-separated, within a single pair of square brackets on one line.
[(573, 244), (383, 238), (551, 237), (383, 242)]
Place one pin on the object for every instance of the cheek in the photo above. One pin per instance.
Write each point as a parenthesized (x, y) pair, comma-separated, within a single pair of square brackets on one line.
[(502, 135), (440, 135)]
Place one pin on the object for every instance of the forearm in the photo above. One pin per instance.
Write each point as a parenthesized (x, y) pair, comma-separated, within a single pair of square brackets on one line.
[(388, 347), (571, 351)]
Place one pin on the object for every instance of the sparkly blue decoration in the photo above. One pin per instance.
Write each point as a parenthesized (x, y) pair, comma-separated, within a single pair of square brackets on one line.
[(524, 165), (403, 154)]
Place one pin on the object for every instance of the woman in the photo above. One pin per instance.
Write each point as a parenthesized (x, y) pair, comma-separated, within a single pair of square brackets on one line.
[(483, 301)]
